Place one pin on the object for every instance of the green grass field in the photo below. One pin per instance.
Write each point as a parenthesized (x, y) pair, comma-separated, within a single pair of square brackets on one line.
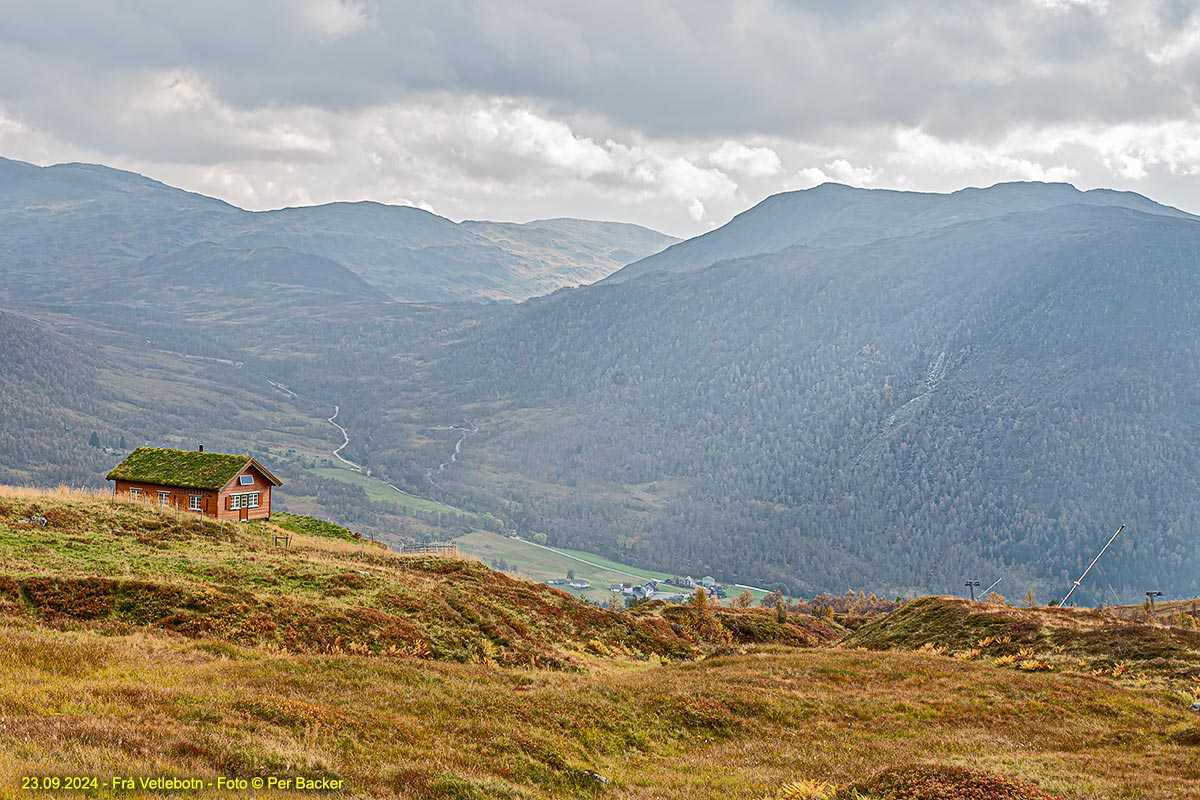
[(645, 573), (380, 492), (541, 563), (538, 564)]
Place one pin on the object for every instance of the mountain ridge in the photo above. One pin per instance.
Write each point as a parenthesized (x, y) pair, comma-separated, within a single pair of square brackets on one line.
[(779, 395), (862, 215), (72, 216), (991, 389)]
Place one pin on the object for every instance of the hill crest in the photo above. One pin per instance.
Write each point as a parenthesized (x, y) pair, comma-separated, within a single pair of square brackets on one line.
[(834, 214), (58, 220)]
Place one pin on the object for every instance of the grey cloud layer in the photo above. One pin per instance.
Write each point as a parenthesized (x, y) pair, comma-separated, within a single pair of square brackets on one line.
[(672, 111)]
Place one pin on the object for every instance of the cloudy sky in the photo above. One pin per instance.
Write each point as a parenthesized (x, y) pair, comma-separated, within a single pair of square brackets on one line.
[(675, 114)]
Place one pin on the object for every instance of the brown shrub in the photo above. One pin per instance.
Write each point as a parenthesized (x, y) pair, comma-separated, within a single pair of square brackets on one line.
[(939, 782), (81, 598), (10, 590), (1188, 736), (64, 518), (350, 580)]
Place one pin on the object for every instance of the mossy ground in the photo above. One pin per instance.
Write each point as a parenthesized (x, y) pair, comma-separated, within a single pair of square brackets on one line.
[(100, 690), (737, 726), (311, 526), (1094, 642), (109, 565)]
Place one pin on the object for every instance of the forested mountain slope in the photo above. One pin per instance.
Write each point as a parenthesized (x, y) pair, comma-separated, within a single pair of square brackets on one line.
[(989, 399), (59, 221), (63, 382), (49, 388), (832, 214), (208, 276)]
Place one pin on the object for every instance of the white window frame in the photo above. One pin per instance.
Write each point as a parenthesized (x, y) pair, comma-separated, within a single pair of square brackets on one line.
[(245, 480), (135, 493), (245, 500), (194, 502), (164, 499)]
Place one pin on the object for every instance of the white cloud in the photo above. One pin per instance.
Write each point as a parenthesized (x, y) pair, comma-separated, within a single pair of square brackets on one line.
[(917, 150), (683, 179), (808, 178), (838, 170), (753, 162), (1178, 47), (11, 128), (473, 157), (1098, 6), (532, 108), (1130, 150), (843, 171), (332, 18), (521, 132)]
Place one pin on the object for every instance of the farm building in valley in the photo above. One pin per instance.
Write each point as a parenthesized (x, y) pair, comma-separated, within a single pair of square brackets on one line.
[(216, 485)]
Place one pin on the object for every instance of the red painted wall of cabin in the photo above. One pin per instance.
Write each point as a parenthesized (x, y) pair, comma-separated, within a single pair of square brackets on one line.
[(179, 497), (215, 504), (260, 485)]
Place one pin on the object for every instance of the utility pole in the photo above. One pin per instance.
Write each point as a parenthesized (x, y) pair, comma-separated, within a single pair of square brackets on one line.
[(971, 585), (1075, 585)]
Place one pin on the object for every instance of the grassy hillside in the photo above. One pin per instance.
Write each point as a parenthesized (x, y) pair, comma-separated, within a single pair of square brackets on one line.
[(542, 563), (1088, 641), (108, 565), (138, 643), (141, 643), (741, 726), (380, 492)]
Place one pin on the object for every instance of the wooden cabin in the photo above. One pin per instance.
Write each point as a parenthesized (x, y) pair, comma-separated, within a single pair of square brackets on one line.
[(215, 485)]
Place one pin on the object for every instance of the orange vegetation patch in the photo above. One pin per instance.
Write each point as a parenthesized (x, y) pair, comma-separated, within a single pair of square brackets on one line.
[(937, 782)]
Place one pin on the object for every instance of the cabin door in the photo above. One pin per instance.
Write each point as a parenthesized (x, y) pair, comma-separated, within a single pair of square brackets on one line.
[(244, 511)]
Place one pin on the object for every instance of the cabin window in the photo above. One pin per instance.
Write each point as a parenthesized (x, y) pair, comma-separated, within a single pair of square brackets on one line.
[(247, 500), (135, 493), (164, 499), (194, 502), (246, 480)]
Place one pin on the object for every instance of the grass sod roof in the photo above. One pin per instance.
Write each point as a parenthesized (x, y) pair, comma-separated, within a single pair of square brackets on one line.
[(187, 469)]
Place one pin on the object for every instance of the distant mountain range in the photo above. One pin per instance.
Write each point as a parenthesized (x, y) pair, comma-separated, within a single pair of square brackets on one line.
[(841, 388), (833, 215), (60, 220), (988, 396)]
